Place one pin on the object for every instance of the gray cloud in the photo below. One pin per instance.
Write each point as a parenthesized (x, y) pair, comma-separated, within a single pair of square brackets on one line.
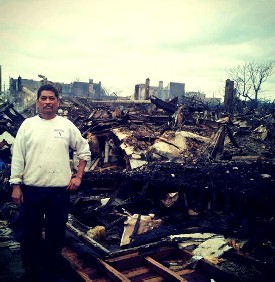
[(190, 41)]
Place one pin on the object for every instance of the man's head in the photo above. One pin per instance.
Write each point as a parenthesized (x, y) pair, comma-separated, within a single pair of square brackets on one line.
[(47, 87), (47, 101)]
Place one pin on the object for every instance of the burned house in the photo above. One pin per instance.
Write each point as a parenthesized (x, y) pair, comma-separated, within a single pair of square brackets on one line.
[(85, 89), (172, 178), (171, 91), (75, 89)]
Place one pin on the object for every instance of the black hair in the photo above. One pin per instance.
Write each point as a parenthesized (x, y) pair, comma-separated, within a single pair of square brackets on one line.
[(47, 87)]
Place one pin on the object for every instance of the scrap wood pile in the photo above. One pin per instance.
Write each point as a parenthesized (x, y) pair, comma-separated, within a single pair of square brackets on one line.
[(162, 169), (232, 198), (124, 137)]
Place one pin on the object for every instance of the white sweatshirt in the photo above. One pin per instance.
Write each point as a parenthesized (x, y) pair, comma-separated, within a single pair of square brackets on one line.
[(41, 152)]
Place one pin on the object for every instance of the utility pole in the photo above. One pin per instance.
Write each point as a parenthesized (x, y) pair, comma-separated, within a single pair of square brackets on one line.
[(0, 79)]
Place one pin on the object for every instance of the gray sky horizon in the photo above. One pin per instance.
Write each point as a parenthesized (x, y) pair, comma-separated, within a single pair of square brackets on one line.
[(123, 42)]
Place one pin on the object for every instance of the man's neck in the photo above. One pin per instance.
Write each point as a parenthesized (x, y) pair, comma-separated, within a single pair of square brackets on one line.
[(47, 117)]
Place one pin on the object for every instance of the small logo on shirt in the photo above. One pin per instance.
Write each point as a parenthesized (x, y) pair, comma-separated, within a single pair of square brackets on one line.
[(59, 133)]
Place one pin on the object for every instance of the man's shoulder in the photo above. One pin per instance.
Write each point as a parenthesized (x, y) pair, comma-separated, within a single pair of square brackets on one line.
[(61, 118), (65, 120), (36, 117), (30, 120), (28, 124)]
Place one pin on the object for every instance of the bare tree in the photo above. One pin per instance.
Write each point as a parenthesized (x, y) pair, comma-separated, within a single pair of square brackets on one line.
[(110, 92), (249, 78), (241, 77), (259, 73)]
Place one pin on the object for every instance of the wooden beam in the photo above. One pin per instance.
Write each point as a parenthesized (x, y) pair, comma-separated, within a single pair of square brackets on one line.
[(162, 270), (111, 272)]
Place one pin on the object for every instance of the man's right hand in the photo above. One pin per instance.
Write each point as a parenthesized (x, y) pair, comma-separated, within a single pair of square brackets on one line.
[(17, 195)]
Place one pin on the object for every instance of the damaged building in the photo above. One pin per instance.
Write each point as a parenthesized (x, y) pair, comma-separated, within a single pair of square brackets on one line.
[(172, 90), (174, 191), (88, 89)]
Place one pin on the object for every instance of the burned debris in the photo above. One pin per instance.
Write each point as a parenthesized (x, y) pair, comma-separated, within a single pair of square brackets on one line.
[(165, 180)]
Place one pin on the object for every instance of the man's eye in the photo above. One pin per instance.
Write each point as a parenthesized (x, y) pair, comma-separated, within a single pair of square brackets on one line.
[(46, 98)]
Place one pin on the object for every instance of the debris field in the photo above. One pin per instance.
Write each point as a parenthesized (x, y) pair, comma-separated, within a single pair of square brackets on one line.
[(173, 192)]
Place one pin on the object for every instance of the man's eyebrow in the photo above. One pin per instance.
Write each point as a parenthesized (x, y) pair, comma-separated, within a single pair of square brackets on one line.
[(50, 96)]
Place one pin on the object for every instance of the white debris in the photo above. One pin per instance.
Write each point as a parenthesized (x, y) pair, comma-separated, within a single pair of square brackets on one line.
[(214, 247), (8, 137), (265, 175)]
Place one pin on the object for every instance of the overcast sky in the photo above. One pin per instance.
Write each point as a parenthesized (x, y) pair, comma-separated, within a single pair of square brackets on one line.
[(123, 42)]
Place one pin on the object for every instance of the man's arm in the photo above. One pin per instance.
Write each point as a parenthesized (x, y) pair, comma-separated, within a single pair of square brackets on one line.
[(18, 151), (76, 180), (81, 146), (17, 166)]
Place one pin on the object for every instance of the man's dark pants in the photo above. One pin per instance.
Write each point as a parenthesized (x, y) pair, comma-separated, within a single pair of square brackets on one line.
[(44, 209)]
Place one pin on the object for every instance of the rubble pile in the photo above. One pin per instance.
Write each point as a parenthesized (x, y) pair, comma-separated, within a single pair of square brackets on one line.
[(160, 169)]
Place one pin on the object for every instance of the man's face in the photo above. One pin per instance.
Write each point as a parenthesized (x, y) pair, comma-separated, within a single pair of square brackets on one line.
[(47, 104)]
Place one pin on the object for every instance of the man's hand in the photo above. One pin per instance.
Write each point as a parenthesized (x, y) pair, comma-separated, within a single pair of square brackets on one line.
[(17, 195), (74, 184), (76, 180)]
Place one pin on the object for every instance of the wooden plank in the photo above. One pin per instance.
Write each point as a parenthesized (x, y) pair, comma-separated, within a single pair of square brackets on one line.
[(88, 273), (143, 274), (162, 270), (127, 261), (161, 252), (76, 265), (154, 279), (131, 273), (83, 275), (185, 271), (72, 258), (166, 251), (111, 272)]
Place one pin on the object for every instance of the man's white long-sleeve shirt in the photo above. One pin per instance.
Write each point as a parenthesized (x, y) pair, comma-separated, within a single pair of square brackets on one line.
[(41, 152)]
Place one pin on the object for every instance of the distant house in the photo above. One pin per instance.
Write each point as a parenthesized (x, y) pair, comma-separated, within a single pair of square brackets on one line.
[(77, 88), (176, 89), (172, 90), (84, 89), (32, 85), (145, 91)]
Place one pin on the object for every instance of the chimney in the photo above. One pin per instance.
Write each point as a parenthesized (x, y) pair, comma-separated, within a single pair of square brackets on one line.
[(99, 86), (160, 88), (147, 89), (91, 87), (136, 96), (229, 95)]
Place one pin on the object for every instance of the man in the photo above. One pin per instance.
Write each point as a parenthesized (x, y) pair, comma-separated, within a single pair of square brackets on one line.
[(41, 178)]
